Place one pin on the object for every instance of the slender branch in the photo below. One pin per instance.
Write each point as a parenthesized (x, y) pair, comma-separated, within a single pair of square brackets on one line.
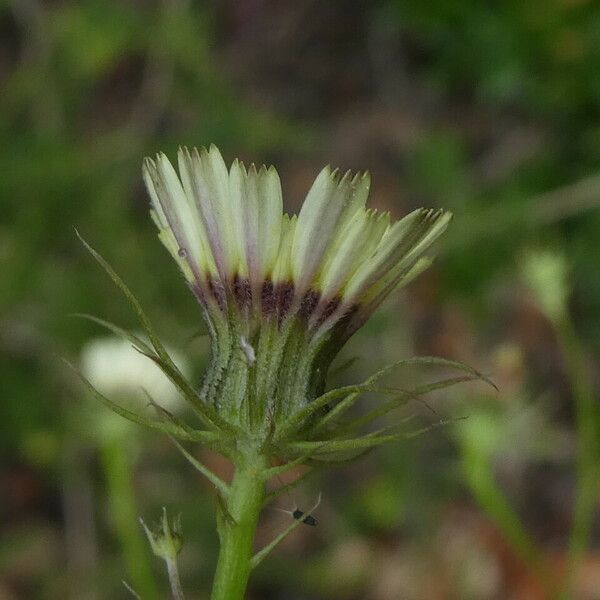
[(401, 400), (221, 486), (131, 590), (374, 438), (174, 581), (353, 392), (479, 477), (322, 401), (262, 554), (211, 419), (289, 486), (588, 470), (279, 470), (136, 342)]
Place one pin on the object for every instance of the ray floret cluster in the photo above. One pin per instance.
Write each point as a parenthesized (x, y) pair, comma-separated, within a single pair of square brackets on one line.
[(279, 293)]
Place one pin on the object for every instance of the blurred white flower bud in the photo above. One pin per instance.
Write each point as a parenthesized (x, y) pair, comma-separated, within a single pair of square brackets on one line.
[(120, 372), (546, 274)]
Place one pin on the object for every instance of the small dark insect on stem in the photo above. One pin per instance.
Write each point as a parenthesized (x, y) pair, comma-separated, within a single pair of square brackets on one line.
[(306, 519), (300, 515)]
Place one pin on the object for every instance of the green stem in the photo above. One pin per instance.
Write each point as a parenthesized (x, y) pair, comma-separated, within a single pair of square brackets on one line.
[(237, 521), (489, 496), (118, 473), (588, 470)]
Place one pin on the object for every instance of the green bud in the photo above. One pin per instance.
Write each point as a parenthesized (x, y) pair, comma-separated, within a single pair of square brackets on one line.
[(165, 540), (546, 274)]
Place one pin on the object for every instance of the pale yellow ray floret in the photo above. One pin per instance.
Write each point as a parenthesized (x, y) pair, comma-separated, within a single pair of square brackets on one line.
[(282, 272), (350, 248), (257, 213), (330, 205), (206, 182), (398, 250)]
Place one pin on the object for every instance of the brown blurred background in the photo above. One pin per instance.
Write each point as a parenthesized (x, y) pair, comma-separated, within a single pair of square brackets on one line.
[(491, 110)]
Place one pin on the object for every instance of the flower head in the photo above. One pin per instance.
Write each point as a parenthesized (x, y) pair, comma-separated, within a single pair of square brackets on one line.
[(280, 294)]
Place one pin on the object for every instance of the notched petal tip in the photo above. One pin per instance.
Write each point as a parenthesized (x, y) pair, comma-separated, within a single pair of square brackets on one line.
[(240, 167), (216, 158), (183, 151), (346, 177), (362, 178), (148, 162)]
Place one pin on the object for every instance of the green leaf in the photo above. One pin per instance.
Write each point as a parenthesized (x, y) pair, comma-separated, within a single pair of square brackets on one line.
[(296, 419), (279, 470), (401, 400), (372, 440), (208, 415), (289, 486), (136, 342), (134, 303), (351, 399), (221, 486), (168, 417), (191, 435), (342, 445), (440, 423), (352, 392), (339, 460), (192, 396)]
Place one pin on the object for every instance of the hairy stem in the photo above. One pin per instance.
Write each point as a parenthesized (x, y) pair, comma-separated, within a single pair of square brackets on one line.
[(237, 521)]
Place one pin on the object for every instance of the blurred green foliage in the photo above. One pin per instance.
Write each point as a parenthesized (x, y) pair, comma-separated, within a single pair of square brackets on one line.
[(497, 119)]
